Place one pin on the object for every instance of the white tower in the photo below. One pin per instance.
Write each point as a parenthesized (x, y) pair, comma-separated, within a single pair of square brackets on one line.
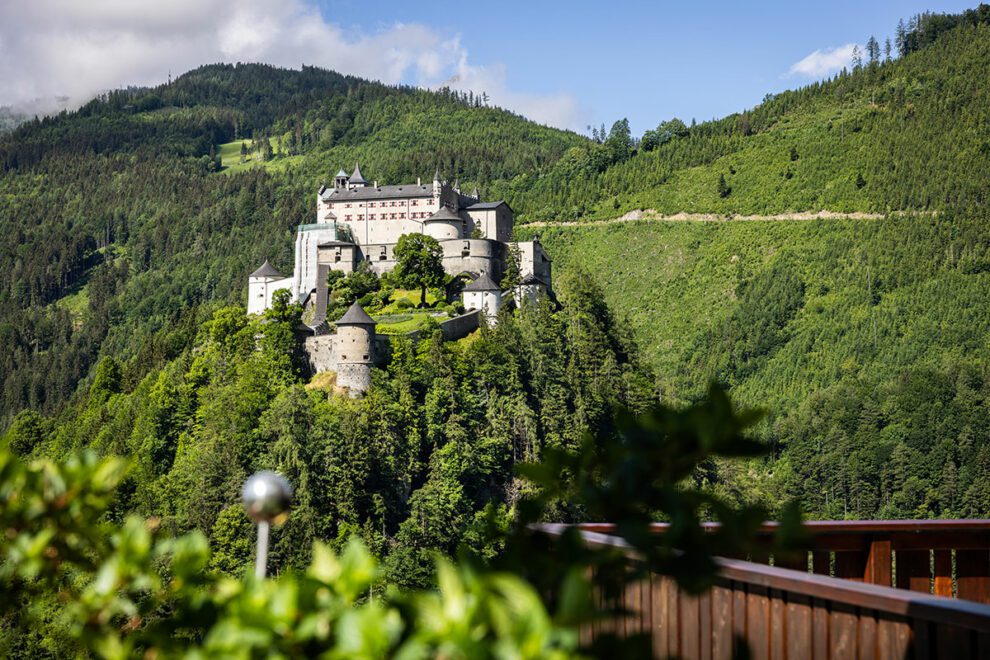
[(260, 287), (485, 295)]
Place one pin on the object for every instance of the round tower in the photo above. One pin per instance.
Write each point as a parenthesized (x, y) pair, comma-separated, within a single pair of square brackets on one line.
[(354, 349), (444, 225)]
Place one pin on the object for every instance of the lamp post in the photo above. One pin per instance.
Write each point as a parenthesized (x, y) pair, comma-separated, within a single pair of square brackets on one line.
[(266, 496)]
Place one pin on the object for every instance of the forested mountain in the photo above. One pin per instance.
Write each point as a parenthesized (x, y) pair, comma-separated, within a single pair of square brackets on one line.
[(118, 226), (866, 339), (126, 240)]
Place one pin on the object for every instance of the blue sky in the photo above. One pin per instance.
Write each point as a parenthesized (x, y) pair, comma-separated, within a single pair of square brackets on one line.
[(647, 60), (565, 64)]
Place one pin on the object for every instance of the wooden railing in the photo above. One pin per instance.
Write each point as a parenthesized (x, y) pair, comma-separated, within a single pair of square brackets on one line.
[(839, 604), (941, 557)]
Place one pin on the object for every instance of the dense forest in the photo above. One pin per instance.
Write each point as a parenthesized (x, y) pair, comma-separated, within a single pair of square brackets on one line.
[(128, 239)]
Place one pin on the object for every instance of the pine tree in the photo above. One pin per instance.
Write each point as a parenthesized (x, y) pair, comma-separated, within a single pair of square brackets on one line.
[(900, 38), (873, 50), (723, 188), (886, 50)]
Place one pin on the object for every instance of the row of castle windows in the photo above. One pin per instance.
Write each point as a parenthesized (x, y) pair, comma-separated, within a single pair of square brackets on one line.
[(371, 205), (385, 216)]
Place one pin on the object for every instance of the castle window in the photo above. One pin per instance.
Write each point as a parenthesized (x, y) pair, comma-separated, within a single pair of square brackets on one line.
[(365, 357), (371, 216), (415, 202), (371, 205)]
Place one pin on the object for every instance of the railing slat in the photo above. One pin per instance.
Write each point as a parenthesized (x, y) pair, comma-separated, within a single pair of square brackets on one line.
[(820, 625), (721, 622), (878, 563), (705, 625), (866, 635), (758, 621), (973, 575), (851, 564), (914, 570), (778, 625), (843, 626), (799, 632), (657, 616), (690, 615), (893, 638), (943, 573)]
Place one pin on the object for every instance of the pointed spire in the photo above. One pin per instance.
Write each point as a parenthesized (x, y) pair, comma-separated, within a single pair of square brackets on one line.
[(475, 193), (356, 177), (267, 271), (436, 177)]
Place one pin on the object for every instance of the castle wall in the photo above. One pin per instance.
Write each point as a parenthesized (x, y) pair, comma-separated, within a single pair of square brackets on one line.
[(306, 272), (533, 260), (474, 255)]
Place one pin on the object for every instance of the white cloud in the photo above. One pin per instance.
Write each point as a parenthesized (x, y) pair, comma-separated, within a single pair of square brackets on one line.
[(68, 48), (824, 62)]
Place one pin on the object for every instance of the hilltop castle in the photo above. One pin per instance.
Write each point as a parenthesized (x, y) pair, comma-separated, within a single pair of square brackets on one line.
[(360, 222), (357, 221)]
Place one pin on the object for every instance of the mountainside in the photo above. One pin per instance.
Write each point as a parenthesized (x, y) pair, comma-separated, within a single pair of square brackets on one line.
[(913, 133), (118, 225), (865, 339), (130, 222)]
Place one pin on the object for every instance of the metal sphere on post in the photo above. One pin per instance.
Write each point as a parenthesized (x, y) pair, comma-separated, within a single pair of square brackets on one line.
[(267, 496)]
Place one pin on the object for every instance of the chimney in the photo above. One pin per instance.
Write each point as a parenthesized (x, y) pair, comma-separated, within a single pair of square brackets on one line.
[(419, 181), (376, 183)]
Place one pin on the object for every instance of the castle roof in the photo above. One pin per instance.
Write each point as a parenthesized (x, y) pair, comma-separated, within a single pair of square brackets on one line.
[(444, 215), (329, 216), (336, 244), (484, 206), (381, 192), (532, 279), (356, 177), (483, 283), (355, 315), (266, 270), (341, 173)]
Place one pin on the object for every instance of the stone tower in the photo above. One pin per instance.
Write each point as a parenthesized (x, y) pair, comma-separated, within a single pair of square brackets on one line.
[(354, 346)]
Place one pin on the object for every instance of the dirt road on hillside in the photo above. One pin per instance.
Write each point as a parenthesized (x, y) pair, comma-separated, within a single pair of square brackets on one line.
[(633, 216)]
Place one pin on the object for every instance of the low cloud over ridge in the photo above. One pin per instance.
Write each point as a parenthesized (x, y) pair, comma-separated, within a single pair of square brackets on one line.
[(66, 48), (825, 62)]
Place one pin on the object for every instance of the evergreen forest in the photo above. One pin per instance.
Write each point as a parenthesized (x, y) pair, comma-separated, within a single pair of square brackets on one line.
[(131, 224)]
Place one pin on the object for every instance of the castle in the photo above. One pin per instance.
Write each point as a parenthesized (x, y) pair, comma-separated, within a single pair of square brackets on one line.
[(360, 222)]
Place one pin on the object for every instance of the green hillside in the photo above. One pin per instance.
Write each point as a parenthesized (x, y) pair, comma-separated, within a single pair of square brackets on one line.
[(913, 133), (129, 196), (867, 340), (130, 222)]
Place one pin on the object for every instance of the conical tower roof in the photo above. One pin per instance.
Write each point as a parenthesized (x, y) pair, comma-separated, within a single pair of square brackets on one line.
[(356, 177), (444, 214), (266, 270), (475, 193), (341, 173), (355, 315), (483, 283)]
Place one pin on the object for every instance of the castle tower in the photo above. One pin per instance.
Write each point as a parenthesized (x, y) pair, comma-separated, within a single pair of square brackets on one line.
[(437, 187), (356, 180), (260, 287), (485, 295), (340, 181), (354, 346)]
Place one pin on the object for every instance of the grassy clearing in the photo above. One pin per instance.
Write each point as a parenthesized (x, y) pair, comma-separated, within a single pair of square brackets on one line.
[(230, 157)]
